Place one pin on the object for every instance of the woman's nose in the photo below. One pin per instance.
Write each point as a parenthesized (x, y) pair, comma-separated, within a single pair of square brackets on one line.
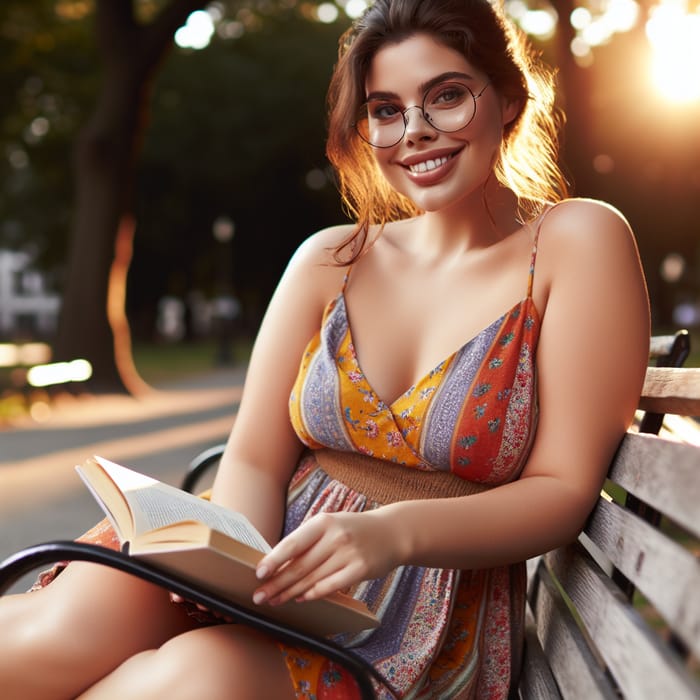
[(417, 126)]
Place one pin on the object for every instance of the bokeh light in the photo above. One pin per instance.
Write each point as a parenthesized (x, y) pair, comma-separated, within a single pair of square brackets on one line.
[(327, 12), (196, 32), (355, 8)]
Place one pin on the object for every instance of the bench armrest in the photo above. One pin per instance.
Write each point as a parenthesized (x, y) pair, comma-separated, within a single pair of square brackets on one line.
[(31, 558)]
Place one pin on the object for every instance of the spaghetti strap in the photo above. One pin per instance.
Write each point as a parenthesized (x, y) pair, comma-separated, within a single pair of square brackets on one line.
[(346, 277), (533, 257)]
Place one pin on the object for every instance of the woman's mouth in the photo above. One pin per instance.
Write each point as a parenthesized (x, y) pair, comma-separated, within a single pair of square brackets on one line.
[(431, 169), (430, 164)]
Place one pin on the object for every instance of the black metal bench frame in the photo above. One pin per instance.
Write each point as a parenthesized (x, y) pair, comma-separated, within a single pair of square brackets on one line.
[(670, 351)]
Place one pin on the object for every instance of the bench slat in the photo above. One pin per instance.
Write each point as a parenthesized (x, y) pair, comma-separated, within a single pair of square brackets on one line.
[(667, 574), (671, 390), (661, 345), (536, 679), (642, 666), (577, 672), (642, 466)]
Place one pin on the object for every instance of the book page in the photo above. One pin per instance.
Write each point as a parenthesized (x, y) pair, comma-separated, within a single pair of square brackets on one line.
[(160, 505), (155, 505)]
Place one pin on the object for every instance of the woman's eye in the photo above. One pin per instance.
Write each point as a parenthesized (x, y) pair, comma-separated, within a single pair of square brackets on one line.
[(448, 95), (383, 112)]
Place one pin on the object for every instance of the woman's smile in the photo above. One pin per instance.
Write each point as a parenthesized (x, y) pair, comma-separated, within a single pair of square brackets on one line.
[(435, 168), (429, 168)]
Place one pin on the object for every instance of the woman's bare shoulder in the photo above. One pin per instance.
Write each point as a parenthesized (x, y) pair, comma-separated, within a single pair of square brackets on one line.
[(319, 248), (588, 243), (314, 275), (589, 221)]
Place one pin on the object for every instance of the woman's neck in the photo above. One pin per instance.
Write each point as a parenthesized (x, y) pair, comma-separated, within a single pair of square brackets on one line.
[(469, 225)]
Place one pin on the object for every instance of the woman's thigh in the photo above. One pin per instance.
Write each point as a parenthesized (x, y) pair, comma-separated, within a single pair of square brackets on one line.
[(218, 663), (79, 628)]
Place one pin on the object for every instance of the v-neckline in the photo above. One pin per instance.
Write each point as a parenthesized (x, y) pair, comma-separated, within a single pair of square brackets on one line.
[(390, 406)]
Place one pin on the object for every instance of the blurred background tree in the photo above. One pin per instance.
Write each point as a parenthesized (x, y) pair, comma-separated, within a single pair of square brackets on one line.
[(212, 153)]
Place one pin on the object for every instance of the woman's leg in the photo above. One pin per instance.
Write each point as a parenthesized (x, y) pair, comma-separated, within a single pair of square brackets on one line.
[(221, 662), (60, 640)]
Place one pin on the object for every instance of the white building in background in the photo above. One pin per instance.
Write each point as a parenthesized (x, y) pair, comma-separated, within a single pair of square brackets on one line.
[(25, 306)]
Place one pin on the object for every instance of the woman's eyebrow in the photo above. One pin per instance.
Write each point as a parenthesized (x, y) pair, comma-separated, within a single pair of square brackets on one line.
[(423, 87)]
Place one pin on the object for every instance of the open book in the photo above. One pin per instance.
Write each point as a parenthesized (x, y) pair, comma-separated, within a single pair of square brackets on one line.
[(206, 544)]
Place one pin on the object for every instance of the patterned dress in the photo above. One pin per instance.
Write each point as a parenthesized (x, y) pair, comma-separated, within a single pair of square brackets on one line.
[(444, 633)]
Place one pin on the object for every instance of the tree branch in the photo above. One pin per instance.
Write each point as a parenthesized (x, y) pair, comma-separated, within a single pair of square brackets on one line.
[(158, 34), (115, 27)]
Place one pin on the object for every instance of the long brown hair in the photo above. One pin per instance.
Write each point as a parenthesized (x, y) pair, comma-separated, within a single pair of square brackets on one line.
[(477, 29)]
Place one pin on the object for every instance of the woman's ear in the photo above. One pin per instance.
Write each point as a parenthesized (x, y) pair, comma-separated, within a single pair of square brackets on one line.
[(510, 110)]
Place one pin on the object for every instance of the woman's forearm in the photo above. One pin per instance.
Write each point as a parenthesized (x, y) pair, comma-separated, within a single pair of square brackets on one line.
[(507, 524), (255, 493)]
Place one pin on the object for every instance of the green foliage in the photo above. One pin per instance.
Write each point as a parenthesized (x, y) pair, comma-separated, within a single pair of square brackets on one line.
[(49, 81), (234, 130)]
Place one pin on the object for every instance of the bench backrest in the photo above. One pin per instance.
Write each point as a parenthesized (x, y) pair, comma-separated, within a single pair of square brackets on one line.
[(617, 613)]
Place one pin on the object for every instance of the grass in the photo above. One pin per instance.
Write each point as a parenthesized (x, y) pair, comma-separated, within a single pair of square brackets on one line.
[(161, 363)]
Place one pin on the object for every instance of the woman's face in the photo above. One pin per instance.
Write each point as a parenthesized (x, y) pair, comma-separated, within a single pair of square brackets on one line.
[(435, 169)]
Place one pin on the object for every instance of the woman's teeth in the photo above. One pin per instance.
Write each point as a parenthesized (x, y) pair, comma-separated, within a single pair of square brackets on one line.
[(427, 165)]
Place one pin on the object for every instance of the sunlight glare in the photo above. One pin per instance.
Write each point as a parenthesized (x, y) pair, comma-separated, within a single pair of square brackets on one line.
[(674, 36), (623, 14)]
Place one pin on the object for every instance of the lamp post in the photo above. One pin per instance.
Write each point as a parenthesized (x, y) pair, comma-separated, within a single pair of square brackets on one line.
[(226, 307)]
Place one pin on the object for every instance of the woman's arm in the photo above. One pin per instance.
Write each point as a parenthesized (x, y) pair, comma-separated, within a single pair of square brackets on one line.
[(262, 448), (591, 360)]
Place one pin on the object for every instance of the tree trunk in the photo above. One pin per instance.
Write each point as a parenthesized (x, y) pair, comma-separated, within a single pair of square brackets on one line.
[(105, 156), (578, 147)]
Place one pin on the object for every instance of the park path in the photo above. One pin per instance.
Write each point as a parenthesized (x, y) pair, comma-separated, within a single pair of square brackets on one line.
[(41, 496)]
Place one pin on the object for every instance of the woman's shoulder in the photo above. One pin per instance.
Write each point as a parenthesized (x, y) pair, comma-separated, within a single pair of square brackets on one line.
[(314, 274), (320, 247), (586, 220), (576, 229), (582, 241)]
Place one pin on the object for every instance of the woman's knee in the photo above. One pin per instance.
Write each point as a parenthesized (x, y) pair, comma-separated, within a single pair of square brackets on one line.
[(81, 627), (106, 604), (209, 662)]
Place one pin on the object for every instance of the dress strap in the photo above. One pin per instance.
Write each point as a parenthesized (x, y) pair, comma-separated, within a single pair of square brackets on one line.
[(346, 277), (533, 256)]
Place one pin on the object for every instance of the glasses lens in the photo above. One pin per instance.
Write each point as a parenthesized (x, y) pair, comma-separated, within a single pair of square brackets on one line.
[(446, 106), (449, 106), (380, 124)]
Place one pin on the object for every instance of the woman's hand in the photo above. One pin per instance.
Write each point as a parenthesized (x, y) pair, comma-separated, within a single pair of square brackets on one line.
[(330, 552)]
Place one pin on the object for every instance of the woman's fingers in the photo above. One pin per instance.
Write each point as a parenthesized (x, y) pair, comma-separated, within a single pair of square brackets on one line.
[(291, 547), (334, 573), (328, 553)]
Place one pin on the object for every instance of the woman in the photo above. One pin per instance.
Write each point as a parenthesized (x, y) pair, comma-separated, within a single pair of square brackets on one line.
[(444, 342)]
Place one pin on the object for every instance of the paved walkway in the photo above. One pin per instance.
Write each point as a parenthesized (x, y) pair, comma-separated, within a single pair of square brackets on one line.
[(41, 496)]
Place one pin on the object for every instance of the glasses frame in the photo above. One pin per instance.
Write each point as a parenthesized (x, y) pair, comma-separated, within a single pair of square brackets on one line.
[(424, 114)]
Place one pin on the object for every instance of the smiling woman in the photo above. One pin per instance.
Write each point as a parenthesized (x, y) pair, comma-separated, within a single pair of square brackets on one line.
[(415, 422)]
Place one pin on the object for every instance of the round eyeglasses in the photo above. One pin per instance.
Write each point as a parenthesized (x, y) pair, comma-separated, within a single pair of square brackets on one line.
[(446, 107)]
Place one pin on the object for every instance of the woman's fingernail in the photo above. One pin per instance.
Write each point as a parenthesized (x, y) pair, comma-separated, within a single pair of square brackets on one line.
[(261, 572), (259, 597)]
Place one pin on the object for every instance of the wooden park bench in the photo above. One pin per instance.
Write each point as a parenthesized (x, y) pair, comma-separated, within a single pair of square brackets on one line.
[(615, 614)]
